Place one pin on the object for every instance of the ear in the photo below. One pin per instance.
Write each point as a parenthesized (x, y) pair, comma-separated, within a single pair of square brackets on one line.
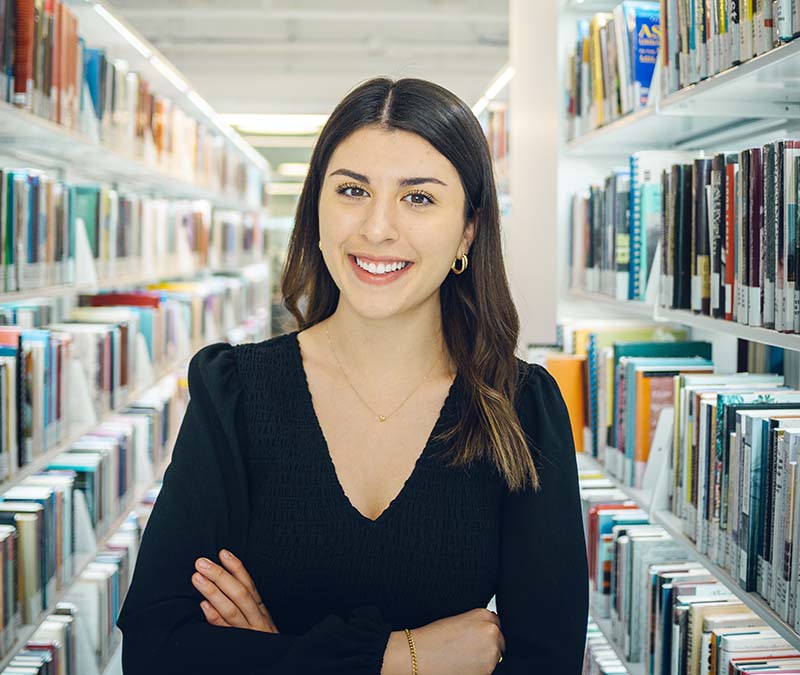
[(469, 235)]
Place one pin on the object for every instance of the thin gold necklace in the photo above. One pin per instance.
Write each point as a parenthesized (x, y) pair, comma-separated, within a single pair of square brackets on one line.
[(381, 418)]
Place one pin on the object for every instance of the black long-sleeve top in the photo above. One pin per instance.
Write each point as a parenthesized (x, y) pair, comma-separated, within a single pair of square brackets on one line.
[(251, 472)]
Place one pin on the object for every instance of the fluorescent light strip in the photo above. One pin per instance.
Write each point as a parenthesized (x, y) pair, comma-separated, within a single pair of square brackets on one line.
[(500, 83), (480, 106), (497, 85), (170, 73), (125, 32)]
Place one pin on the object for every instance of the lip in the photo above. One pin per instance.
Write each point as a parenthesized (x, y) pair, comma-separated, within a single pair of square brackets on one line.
[(377, 279)]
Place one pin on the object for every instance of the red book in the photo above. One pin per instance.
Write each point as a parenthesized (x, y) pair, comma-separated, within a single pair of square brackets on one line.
[(23, 52), (146, 299)]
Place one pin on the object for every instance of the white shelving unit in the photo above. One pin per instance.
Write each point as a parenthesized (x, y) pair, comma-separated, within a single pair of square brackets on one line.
[(755, 98), (744, 106), (29, 140), (101, 26), (81, 561), (672, 525), (28, 137), (605, 627)]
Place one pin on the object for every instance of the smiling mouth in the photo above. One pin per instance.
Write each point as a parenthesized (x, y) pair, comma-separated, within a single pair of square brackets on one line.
[(379, 273), (380, 267)]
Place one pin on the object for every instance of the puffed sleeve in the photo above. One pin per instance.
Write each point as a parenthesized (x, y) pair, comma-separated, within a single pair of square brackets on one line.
[(203, 507), (543, 593)]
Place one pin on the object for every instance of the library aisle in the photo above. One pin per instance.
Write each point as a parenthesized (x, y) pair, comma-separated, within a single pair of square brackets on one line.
[(646, 154)]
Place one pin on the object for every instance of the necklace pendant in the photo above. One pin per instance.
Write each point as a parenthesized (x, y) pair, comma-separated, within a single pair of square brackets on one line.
[(381, 418)]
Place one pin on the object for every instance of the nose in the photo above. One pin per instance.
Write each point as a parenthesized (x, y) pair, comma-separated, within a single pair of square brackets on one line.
[(380, 221)]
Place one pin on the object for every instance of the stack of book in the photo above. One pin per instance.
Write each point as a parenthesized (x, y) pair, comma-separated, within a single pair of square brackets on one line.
[(44, 221), (600, 658), (712, 37), (85, 361), (611, 68), (47, 68), (660, 609), (723, 229)]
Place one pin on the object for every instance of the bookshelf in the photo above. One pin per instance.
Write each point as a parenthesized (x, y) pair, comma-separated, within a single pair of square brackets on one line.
[(744, 106), (100, 24), (29, 140), (623, 307), (672, 524), (744, 101), (83, 559), (605, 627), (25, 632)]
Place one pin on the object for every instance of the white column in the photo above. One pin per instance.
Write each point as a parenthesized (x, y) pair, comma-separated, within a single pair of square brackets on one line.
[(531, 232)]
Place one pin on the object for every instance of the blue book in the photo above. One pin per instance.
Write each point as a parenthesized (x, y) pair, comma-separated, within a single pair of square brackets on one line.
[(644, 36), (94, 60)]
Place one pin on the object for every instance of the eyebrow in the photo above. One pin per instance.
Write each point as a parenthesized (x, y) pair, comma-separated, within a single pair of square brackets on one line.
[(406, 182)]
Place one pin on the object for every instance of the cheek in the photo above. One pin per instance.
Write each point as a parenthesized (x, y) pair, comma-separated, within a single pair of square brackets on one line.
[(336, 222)]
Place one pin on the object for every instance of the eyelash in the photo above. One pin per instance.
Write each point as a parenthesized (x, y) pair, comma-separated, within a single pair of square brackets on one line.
[(342, 189)]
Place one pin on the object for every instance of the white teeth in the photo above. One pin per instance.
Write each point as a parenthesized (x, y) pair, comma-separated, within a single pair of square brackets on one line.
[(380, 268)]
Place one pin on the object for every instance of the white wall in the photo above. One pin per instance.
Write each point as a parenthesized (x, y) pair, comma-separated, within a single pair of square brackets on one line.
[(535, 106)]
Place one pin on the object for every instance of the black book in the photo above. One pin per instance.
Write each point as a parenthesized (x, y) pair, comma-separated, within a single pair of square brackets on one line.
[(683, 235)]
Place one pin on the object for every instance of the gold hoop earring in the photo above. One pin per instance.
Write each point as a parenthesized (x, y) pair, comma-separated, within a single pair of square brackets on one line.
[(464, 263), (320, 244)]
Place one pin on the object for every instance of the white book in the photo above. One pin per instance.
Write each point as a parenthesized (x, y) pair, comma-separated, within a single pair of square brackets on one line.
[(750, 642)]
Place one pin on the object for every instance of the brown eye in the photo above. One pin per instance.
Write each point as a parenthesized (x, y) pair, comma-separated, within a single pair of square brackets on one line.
[(351, 191), (419, 199)]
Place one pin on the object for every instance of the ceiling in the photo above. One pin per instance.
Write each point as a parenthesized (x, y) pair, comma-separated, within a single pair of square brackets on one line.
[(302, 56)]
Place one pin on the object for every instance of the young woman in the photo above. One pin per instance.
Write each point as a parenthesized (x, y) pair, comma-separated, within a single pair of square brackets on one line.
[(347, 498)]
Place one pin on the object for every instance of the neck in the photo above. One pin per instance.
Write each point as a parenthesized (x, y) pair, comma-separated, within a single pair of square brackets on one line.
[(396, 349)]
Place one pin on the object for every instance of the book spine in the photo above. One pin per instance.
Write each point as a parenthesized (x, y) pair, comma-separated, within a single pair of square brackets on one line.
[(768, 237), (635, 258), (716, 201), (696, 224), (780, 233), (790, 237), (23, 53), (783, 20), (730, 250), (796, 305), (755, 217), (743, 238)]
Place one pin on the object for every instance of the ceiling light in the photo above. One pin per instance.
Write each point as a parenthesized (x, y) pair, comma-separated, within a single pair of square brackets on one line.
[(503, 78), (170, 73), (258, 123), (498, 83), (480, 105), (124, 31), (293, 169)]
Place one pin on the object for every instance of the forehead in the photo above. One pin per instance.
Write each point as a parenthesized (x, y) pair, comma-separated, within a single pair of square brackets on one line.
[(391, 155)]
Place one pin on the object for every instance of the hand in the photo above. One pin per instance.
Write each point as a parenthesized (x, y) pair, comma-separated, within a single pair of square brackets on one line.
[(466, 644), (231, 598)]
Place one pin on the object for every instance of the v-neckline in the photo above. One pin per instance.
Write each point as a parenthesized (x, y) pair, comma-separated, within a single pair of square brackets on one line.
[(323, 442)]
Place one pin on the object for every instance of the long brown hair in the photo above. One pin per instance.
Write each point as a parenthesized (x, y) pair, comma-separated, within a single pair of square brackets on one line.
[(479, 320)]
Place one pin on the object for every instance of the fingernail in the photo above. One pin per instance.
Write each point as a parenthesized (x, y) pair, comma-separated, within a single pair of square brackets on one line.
[(225, 555), (204, 564), (204, 606), (199, 578)]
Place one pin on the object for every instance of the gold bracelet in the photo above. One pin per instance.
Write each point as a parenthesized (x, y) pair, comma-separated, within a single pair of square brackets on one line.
[(413, 649)]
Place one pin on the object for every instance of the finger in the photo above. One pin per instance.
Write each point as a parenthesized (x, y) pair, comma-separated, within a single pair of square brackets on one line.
[(226, 608), (234, 590), (492, 617), (237, 568), (212, 615), (239, 571)]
